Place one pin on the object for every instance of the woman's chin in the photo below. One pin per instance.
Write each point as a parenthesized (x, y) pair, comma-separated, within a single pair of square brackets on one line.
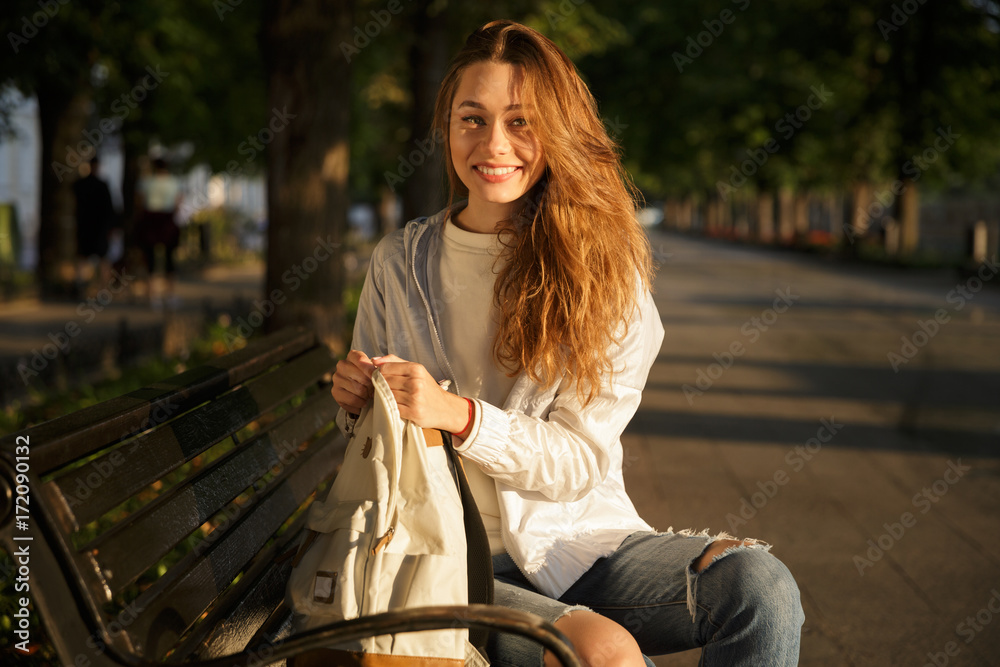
[(496, 196)]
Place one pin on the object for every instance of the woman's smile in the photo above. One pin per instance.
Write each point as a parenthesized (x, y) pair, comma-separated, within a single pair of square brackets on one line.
[(495, 174)]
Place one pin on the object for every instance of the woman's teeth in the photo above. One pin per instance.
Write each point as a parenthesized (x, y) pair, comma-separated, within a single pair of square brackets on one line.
[(500, 171)]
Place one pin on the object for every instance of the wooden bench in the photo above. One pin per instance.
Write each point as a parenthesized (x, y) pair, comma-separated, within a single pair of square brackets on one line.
[(157, 526)]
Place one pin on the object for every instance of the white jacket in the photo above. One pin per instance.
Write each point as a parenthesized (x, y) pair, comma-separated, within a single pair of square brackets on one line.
[(556, 463)]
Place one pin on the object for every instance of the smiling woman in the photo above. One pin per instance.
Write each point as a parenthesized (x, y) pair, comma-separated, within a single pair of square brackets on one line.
[(531, 298)]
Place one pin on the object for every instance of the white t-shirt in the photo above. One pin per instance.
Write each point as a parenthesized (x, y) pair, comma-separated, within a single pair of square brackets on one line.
[(466, 279), (160, 192)]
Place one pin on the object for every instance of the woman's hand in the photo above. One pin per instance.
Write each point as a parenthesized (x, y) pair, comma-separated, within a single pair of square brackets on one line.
[(352, 383), (420, 398)]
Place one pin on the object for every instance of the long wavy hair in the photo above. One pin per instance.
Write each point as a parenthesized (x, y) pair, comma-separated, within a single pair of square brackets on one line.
[(574, 253)]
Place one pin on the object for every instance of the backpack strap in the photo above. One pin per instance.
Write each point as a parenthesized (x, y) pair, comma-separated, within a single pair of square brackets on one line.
[(479, 561)]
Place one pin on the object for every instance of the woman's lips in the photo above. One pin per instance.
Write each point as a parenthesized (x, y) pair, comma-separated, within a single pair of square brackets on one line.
[(495, 174)]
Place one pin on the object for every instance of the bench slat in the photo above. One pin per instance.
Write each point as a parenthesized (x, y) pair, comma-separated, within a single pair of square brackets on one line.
[(277, 628), (173, 604), (118, 475), (130, 548), (239, 615), (81, 433)]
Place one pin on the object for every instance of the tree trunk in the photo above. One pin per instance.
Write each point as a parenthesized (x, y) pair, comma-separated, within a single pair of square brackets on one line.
[(307, 166), (62, 119), (835, 209), (130, 181), (765, 217), (741, 219), (425, 190), (908, 215), (672, 214), (711, 217), (698, 216), (685, 221), (725, 216), (801, 222), (861, 197), (786, 215), (388, 211)]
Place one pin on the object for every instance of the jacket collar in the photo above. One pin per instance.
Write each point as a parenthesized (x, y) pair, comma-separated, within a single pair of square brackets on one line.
[(421, 241)]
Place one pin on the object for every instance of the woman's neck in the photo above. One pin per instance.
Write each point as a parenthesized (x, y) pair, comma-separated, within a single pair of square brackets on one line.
[(483, 217)]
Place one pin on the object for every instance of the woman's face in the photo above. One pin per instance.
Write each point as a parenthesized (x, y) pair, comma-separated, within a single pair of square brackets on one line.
[(493, 149)]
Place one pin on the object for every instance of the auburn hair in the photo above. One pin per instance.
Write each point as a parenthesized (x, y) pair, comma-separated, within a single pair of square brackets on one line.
[(575, 258)]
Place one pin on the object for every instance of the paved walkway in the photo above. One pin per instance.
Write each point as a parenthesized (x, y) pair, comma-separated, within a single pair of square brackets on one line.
[(879, 489), (26, 323), (30, 330)]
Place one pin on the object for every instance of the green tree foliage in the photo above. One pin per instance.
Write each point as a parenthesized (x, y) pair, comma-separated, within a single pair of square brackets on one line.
[(700, 84), (211, 88)]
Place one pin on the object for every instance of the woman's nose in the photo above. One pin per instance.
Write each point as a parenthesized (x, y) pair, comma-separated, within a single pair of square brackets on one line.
[(498, 142)]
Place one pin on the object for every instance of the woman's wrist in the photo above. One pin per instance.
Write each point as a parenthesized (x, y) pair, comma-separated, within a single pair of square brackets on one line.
[(463, 433), (462, 417)]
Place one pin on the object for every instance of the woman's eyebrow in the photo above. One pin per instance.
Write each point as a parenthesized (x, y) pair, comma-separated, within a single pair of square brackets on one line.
[(477, 105)]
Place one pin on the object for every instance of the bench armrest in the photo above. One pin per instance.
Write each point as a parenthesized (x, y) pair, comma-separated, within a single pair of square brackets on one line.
[(488, 617)]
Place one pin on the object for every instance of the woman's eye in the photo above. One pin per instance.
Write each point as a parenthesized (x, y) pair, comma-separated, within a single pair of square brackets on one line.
[(519, 122), (475, 120)]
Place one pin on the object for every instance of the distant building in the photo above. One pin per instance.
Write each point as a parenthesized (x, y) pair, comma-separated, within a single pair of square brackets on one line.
[(20, 155), (203, 189)]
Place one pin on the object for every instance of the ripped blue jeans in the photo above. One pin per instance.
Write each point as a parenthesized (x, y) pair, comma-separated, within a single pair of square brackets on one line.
[(743, 609)]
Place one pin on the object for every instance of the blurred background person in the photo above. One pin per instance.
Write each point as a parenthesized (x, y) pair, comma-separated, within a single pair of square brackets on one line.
[(159, 195), (94, 217)]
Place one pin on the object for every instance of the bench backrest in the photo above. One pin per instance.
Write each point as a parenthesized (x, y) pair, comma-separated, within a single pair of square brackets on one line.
[(158, 519)]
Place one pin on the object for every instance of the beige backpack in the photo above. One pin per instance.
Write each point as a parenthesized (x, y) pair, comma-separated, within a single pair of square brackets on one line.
[(391, 535)]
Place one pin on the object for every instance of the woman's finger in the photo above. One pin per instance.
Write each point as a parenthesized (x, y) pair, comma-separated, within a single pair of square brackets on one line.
[(361, 361), (401, 380), (349, 373), (352, 385), (390, 359), (348, 400), (400, 368)]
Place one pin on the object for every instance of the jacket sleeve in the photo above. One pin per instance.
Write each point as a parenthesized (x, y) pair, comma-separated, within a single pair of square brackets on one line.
[(369, 328), (570, 451)]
